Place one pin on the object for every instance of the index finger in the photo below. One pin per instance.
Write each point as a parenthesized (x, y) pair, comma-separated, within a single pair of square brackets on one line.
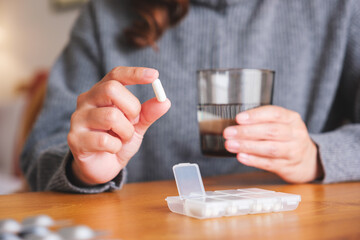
[(268, 113), (132, 75)]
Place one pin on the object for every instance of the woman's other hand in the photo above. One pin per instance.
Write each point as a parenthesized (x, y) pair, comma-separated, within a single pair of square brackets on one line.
[(274, 139)]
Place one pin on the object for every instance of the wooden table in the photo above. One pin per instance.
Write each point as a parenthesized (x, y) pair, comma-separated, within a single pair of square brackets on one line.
[(139, 211)]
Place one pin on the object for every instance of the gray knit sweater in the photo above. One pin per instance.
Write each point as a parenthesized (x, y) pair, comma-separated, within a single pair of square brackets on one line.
[(313, 45)]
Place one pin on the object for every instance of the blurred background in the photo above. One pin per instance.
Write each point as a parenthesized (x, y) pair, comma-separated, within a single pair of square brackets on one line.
[(32, 35)]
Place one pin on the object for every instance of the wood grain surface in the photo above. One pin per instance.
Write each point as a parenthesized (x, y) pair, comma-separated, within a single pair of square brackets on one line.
[(139, 211)]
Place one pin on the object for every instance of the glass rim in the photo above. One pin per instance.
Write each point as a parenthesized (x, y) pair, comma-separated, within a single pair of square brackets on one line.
[(235, 70)]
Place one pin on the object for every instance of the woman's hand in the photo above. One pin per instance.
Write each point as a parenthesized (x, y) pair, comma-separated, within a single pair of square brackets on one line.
[(274, 139), (108, 125)]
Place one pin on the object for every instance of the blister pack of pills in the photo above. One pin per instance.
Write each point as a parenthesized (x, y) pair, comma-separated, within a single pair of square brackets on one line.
[(193, 201), (41, 227)]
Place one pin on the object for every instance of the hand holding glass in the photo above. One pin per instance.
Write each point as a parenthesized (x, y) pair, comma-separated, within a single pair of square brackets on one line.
[(222, 94)]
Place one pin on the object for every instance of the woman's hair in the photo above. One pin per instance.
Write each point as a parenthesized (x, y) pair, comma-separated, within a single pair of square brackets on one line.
[(154, 17)]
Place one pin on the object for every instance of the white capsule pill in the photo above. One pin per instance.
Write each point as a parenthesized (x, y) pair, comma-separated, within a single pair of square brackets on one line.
[(208, 212), (159, 90), (232, 210), (277, 207), (77, 232), (258, 207), (9, 226), (216, 212), (267, 207), (40, 220)]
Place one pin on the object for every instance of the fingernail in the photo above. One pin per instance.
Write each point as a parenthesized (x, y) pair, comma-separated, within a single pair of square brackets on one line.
[(242, 117), (232, 145), (230, 132), (149, 73), (243, 158), (135, 120)]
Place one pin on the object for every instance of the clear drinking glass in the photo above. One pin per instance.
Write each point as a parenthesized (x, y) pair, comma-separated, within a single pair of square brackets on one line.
[(222, 94)]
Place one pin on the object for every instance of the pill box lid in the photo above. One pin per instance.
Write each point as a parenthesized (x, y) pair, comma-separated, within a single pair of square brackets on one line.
[(188, 180)]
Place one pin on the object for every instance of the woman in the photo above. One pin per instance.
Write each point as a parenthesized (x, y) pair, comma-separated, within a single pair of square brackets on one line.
[(311, 133)]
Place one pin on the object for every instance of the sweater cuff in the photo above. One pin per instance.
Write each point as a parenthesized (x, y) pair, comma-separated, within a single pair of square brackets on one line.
[(61, 181), (337, 163)]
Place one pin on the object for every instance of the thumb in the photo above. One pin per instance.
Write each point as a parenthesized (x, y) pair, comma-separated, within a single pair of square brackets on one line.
[(151, 111)]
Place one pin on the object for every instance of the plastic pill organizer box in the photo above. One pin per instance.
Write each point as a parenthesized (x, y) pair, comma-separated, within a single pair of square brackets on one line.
[(195, 202)]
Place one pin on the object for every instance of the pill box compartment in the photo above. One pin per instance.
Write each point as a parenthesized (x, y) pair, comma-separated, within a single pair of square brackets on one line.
[(193, 201)]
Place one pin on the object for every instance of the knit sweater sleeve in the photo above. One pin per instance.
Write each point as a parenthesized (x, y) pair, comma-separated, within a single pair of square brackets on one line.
[(46, 156), (339, 149)]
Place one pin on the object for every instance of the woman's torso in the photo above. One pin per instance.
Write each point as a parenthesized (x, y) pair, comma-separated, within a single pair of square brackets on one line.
[(303, 41)]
